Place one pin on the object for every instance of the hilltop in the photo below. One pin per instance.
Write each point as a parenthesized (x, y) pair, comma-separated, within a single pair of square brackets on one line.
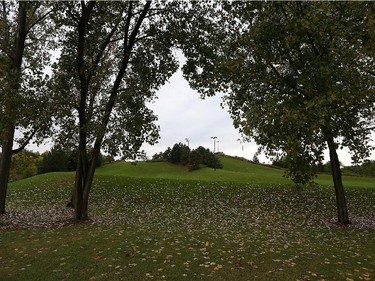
[(234, 169)]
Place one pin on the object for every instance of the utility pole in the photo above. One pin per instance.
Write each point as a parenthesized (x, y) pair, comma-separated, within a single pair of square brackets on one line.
[(214, 138), (187, 140), (241, 143)]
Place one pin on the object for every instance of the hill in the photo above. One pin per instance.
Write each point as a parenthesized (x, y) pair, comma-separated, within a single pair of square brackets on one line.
[(159, 221), (234, 170)]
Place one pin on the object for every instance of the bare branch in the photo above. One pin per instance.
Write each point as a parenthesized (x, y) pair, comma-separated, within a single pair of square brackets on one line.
[(39, 20), (22, 147)]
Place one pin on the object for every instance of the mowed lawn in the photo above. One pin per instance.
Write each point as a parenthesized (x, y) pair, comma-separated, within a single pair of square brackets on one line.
[(156, 221)]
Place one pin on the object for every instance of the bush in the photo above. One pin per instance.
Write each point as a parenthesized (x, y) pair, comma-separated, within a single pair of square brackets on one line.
[(60, 160), (181, 154), (24, 164), (56, 160)]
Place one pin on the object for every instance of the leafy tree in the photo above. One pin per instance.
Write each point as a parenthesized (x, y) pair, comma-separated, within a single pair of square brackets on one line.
[(56, 160), (196, 159), (209, 158), (299, 77), (158, 157), (24, 36), (61, 159), (114, 57), (367, 168), (24, 165), (281, 162), (256, 159), (179, 154)]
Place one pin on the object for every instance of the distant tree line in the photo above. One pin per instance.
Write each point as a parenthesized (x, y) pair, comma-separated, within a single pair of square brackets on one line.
[(28, 163), (194, 159), (366, 169)]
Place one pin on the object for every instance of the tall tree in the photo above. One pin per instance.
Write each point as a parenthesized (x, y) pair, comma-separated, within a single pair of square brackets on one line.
[(299, 78), (24, 32), (114, 57)]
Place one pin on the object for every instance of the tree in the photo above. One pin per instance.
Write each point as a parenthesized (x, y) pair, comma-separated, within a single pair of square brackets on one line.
[(179, 154), (299, 78), (182, 155), (24, 165), (114, 57), (24, 34), (56, 160)]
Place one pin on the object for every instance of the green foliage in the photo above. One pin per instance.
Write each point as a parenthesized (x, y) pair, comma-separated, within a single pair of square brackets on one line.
[(296, 74), (26, 34), (207, 158), (118, 44), (181, 154), (367, 169), (24, 164), (280, 162), (57, 160)]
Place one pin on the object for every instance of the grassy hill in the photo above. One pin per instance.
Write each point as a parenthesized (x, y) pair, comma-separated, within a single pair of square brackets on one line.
[(157, 221), (234, 170)]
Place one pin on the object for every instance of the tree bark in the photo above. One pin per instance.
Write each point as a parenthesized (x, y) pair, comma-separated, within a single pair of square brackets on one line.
[(5, 164), (7, 135), (342, 209), (86, 169)]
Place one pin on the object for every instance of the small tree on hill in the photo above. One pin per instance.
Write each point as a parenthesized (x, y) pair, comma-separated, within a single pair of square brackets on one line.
[(179, 154)]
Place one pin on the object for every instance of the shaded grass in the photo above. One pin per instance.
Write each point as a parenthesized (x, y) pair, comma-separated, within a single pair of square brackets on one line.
[(198, 227)]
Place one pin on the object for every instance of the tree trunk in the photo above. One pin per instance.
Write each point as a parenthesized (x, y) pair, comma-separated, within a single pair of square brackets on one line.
[(7, 135), (5, 164), (86, 169), (72, 202), (342, 209), (83, 183)]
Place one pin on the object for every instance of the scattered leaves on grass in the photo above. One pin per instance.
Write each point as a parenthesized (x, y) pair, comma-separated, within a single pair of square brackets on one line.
[(197, 230)]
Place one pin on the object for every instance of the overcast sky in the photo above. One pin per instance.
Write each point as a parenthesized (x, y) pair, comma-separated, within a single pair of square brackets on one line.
[(182, 114)]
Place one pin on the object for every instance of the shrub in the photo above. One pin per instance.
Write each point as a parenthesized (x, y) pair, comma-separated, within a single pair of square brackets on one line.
[(181, 154)]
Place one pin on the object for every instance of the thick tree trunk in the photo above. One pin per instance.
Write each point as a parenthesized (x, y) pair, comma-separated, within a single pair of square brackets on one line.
[(5, 164), (86, 170), (7, 135), (89, 179), (83, 184), (72, 202), (342, 209)]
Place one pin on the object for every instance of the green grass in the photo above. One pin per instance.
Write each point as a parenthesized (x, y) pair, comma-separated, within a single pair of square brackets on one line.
[(235, 170), (154, 221)]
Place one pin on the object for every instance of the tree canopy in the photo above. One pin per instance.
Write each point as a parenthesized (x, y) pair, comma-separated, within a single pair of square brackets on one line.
[(25, 37), (114, 57), (299, 76)]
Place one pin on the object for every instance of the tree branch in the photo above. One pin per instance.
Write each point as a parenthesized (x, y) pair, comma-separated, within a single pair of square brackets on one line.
[(39, 20), (127, 24), (22, 147)]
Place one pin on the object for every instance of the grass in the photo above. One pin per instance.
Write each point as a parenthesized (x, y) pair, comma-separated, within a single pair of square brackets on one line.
[(154, 221)]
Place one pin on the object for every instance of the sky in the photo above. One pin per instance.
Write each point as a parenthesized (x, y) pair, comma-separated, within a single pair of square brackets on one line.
[(182, 114)]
